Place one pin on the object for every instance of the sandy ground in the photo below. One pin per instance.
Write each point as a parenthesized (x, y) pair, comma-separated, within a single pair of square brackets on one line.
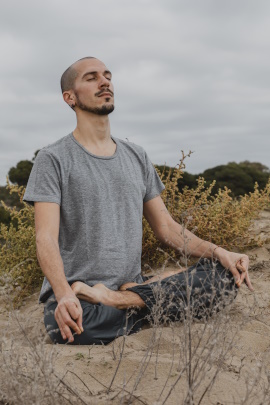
[(151, 363)]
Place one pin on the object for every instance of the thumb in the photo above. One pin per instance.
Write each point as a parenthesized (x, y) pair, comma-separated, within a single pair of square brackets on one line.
[(75, 311), (239, 266)]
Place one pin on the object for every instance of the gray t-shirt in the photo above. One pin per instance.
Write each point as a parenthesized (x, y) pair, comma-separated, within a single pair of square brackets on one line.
[(101, 207)]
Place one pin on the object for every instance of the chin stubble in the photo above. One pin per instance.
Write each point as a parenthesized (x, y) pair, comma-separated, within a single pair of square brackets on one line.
[(104, 110)]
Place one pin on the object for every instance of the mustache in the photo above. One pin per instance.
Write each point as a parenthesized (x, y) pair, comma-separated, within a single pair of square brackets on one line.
[(103, 91)]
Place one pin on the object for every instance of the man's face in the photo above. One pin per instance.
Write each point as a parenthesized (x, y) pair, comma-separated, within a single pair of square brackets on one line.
[(93, 89)]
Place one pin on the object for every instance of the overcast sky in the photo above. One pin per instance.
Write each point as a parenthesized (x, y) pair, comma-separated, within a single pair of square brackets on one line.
[(188, 75)]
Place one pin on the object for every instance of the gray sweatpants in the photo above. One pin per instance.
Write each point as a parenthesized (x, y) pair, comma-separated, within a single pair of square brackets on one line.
[(205, 288)]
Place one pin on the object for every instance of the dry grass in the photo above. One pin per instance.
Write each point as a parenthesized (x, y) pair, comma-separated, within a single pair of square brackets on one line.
[(200, 349), (199, 352)]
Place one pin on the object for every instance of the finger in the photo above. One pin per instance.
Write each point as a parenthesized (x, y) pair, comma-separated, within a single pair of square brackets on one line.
[(59, 323), (67, 322), (73, 310), (245, 278), (68, 332), (76, 314), (65, 310), (236, 275), (71, 324), (244, 262), (248, 283), (239, 266), (79, 320), (242, 277), (64, 329)]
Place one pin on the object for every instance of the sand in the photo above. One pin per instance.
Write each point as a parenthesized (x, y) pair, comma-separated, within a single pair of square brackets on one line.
[(147, 367)]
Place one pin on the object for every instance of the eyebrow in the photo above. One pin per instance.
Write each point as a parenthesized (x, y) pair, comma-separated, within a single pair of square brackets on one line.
[(95, 72)]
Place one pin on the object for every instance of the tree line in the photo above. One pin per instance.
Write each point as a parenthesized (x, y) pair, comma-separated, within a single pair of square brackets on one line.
[(240, 178)]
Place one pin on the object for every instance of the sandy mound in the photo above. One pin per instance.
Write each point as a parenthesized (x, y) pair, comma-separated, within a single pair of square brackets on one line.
[(150, 367)]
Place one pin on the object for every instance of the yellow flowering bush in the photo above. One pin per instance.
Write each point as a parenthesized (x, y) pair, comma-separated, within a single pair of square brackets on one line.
[(219, 218)]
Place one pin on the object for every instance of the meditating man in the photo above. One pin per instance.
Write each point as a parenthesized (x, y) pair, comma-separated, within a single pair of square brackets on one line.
[(90, 191)]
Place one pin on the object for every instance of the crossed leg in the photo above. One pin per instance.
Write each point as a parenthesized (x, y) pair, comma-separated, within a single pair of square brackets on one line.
[(99, 293), (120, 299), (159, 277)]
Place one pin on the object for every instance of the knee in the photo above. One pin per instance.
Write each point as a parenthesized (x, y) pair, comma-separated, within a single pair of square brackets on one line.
[(87, 337), (102, 324)]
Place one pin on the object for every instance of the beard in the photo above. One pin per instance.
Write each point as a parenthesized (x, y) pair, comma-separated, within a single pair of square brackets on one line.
[(105, 109)]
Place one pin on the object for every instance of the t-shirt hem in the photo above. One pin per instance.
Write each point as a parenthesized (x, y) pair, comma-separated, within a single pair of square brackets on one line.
[(30, 199), (152, 195), (44, 296)]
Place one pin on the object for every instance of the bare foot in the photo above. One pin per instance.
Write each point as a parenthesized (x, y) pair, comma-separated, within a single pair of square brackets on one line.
[(99, 293), (95, 294)]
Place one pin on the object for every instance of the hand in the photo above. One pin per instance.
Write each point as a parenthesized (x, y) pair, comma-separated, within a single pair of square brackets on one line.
[(68, 315), (237, 264)]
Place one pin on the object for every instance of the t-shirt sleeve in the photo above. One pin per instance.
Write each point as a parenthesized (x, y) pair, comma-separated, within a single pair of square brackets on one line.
[(44, 183), (154, 185)]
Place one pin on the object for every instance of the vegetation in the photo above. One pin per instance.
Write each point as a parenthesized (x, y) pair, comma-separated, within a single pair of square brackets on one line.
[(18, 259), (9, 199), (216, 217), (181, 361), (20, 174), (240, 178)]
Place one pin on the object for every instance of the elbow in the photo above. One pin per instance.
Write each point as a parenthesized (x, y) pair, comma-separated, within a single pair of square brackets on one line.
[(44, 239), (166, 233), (162, 234)]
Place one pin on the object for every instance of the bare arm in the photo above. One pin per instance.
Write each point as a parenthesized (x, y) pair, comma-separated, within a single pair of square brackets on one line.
[(174, 235), (47, 220)]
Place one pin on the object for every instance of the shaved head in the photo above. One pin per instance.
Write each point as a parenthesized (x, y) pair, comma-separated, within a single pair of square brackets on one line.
[(69, 76)]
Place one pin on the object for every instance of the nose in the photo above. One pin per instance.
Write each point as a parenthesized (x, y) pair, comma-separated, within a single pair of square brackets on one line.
[(104, 82)]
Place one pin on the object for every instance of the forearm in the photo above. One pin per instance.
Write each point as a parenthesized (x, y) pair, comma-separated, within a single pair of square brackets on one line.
[(51, 263), (187, 243)]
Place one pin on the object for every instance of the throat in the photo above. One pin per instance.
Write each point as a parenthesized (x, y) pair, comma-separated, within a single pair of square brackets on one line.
[(108, 150)]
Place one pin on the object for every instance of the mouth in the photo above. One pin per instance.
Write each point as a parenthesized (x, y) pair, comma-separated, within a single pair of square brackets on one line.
[(105, 94)]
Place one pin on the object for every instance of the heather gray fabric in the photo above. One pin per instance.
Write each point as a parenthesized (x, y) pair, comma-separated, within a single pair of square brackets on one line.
[(101, 199)]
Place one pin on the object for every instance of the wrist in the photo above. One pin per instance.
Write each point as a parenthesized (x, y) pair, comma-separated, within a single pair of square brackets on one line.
[(217, 252), (63, 291), (214, 251)]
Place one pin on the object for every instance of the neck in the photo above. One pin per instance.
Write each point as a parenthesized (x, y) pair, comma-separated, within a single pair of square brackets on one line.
[(92, 129)]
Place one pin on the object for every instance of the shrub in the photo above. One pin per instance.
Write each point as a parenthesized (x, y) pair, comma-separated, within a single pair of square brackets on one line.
[(18, 251), (219, 218)]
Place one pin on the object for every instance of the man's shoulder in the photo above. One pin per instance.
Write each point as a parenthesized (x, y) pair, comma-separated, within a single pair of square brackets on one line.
[(58, 148), (131, 146)]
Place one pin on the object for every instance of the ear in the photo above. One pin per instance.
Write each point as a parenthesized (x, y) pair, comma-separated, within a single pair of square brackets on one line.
[(69, 98)]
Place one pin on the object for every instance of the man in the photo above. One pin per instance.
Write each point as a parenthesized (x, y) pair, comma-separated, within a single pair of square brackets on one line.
[(90, 190)]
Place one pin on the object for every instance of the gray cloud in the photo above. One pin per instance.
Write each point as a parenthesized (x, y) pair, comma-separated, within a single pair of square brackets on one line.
[(187, 75)]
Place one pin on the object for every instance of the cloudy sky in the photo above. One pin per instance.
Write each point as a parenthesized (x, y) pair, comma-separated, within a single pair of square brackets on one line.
[(188, 75)]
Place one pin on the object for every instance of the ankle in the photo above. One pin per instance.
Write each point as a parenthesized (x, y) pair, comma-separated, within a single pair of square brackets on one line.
[(129, 299)]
